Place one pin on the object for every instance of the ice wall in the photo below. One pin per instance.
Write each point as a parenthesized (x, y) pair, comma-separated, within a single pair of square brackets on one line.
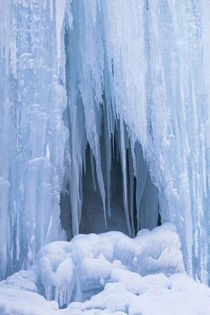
[(149, 61), (136, 69), (94, 115), (33, 134)]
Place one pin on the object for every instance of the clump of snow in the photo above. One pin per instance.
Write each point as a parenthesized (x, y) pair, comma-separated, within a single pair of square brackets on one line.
[(22, 302), (105, 274), (81, 268)]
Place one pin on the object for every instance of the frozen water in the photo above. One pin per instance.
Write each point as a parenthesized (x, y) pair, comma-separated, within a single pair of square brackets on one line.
[(79, 269), (130, 80), (146, 60), (107, 273), (33, 134)]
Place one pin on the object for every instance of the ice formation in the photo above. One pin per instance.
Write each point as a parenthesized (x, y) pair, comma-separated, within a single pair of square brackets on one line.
[(112, 91), (32, 134), (108, 273)]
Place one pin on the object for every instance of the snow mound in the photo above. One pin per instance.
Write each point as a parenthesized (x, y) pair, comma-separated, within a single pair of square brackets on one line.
[(104, 274), (77, 270)]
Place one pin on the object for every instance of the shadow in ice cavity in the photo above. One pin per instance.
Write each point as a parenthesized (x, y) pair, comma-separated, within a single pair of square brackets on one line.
[(142, 197), (65, 213), (92, 220)]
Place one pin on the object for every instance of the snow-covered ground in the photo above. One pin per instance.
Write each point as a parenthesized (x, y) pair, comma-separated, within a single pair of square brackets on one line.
[(106, 274)]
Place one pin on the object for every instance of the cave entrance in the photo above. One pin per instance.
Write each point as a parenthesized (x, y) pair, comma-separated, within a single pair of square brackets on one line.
[(92, 219), (141, 194)]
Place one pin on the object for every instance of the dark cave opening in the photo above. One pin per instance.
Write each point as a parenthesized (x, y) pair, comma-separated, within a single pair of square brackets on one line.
[(133, 198), (92, 216), (92, 219)]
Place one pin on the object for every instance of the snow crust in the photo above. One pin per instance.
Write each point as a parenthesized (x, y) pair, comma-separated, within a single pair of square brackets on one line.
[(106, 274)]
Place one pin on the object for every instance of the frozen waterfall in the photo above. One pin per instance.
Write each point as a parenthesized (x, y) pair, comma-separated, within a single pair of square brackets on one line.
[(104, 123)]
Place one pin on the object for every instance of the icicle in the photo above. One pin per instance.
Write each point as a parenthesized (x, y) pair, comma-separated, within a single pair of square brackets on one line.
[(124, 173), (60, 12), (141, 176), (101, 184), (107, 140), (131, 191), (92, 170), (75, 168), (81, 196)]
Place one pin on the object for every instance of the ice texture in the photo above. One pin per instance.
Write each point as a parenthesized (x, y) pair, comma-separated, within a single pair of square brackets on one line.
[(136, 69), (33, 134), (106, 274), (149, 62), (77, 270)]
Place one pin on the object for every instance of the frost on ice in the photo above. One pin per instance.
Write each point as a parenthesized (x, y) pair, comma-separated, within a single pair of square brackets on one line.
[(104, 125)]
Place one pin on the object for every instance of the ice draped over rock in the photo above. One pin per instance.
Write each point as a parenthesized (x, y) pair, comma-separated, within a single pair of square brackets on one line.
[(135, 68)]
